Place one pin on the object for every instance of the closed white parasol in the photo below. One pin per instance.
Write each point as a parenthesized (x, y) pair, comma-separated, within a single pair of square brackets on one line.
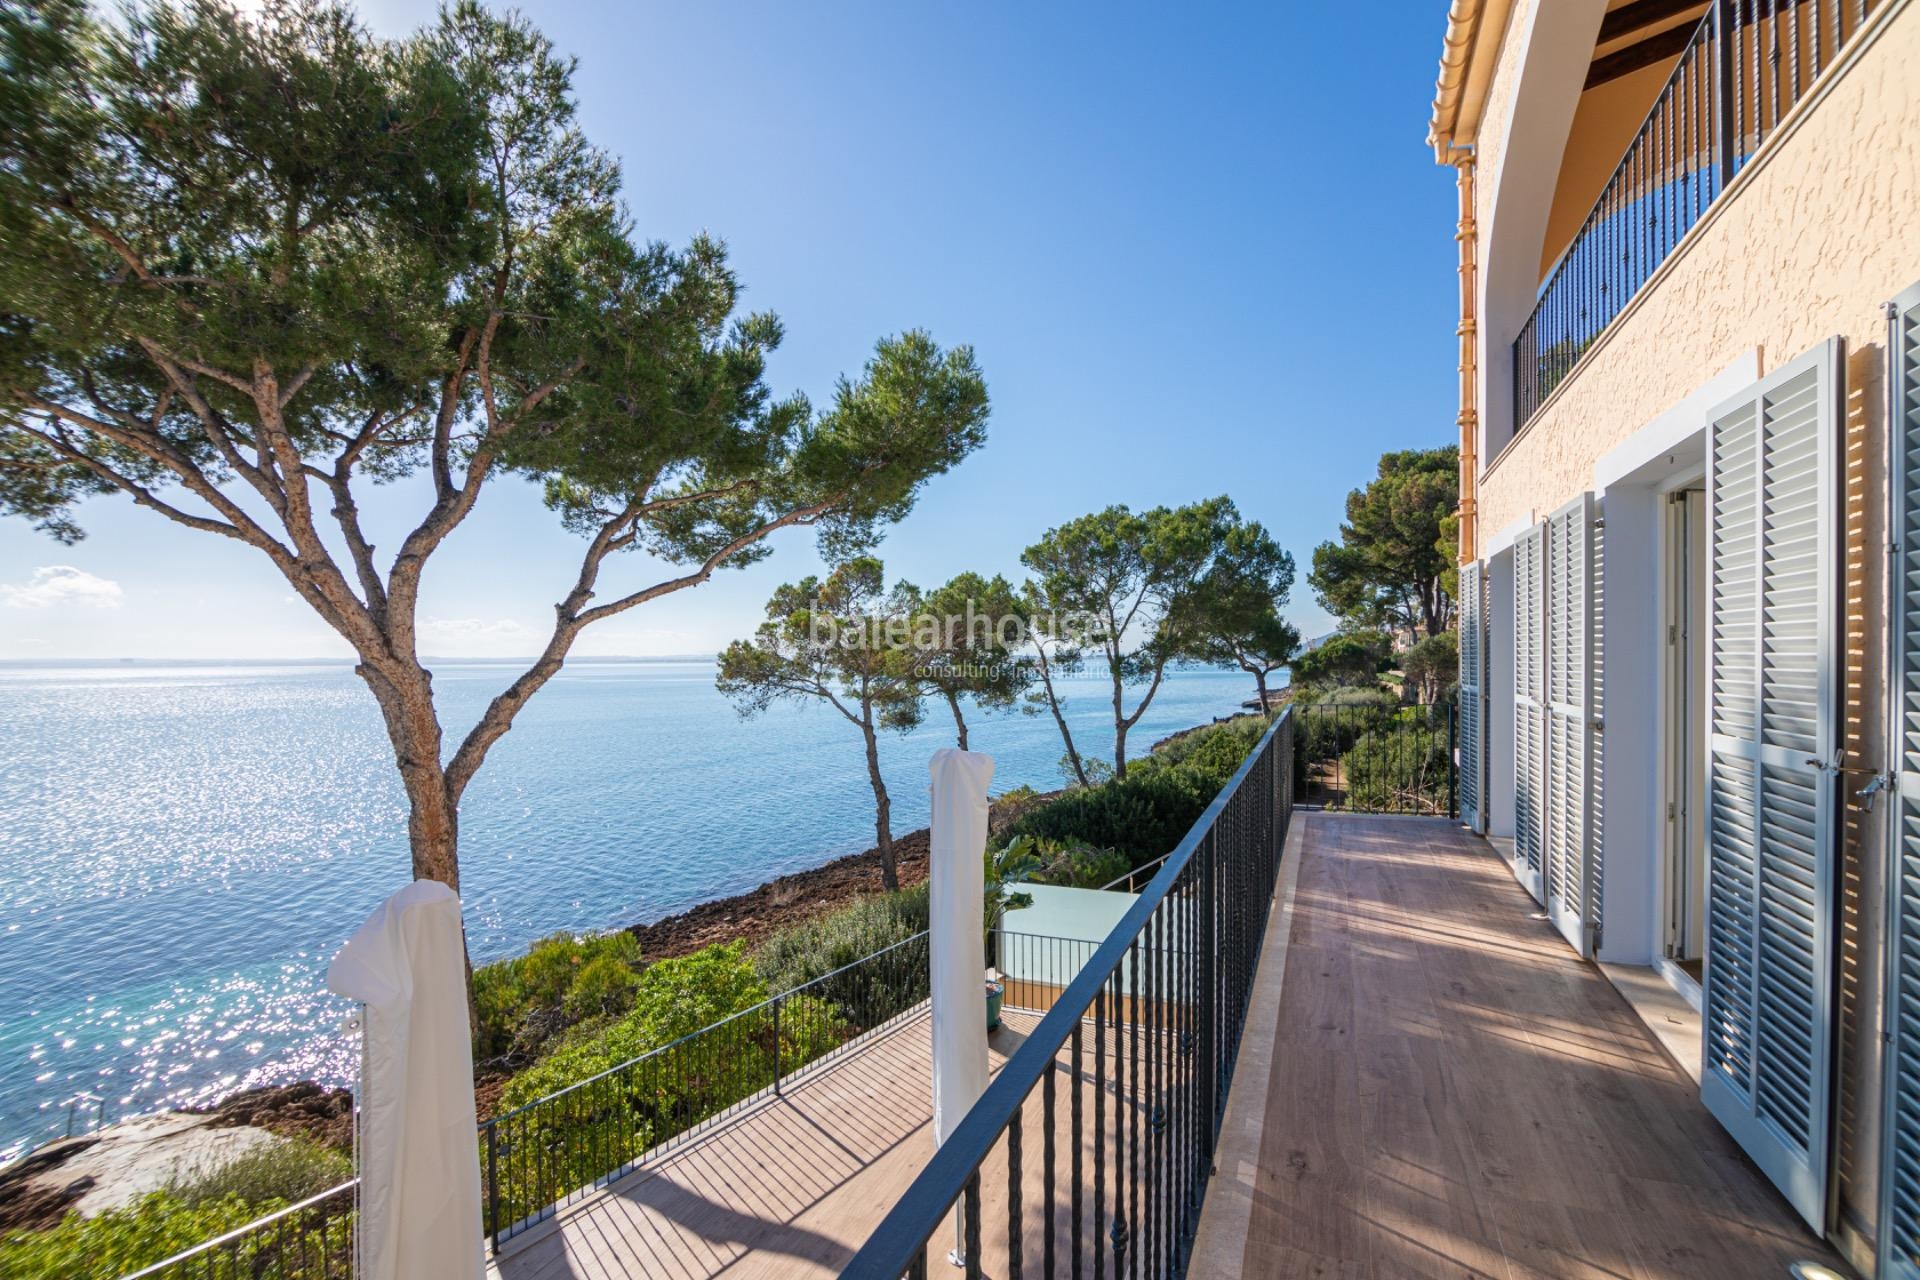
[(957, 903), (419, 1159)]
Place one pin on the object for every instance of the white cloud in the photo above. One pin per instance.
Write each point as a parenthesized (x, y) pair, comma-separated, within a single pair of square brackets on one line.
[(478, 638), (62, 584), (472, 628)]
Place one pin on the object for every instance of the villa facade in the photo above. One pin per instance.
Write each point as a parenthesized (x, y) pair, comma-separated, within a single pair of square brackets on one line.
[(1689, 242)]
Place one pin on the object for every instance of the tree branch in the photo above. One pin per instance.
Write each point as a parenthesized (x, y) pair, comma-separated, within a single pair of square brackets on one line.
[(571, 617)]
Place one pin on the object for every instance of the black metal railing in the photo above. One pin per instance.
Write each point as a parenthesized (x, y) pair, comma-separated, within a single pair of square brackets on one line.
[(548, 1153), (1123, 1081), (1736, 76), (311, 1240), (1377, 757), (1035, 968)]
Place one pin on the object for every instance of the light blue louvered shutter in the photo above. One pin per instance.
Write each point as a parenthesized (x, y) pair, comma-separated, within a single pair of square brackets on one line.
[(1568, 825), (1530, 708), (1597, 718), (1900, 1151), (1473, 697), (1772, 480)]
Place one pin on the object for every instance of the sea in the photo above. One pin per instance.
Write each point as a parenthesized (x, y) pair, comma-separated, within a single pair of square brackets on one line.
[(183, 846)]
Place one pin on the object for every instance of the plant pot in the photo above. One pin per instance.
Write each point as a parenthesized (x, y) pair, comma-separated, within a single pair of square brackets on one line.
[(995, 994)]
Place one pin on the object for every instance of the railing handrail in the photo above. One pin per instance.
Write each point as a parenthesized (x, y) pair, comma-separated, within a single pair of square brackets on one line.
[(1714, 113), (242, 1231), (1129, 877), (697, 1033), (892, 1248)]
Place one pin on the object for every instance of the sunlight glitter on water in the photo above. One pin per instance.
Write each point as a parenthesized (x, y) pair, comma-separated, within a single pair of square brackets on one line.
[(186, 846)]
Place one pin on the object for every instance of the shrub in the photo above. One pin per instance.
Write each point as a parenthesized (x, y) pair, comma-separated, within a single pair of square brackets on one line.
[(607, 1124), (152, 1228), (1142, 815), (1214, 753), (798, 954), (285, 1170), (603, 987), (868, 995), (671, 999), (1145, 814), (1432, 667), (526, 1001), (1403, 770), (1077, 865)]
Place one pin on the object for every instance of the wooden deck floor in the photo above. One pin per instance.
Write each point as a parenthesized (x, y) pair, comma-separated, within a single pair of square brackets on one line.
[(1433, 1085), (1452, 1092), (789, 1187)]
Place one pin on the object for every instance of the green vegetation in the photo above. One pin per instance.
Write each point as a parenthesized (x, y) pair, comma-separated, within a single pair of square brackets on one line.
[(1146, 813), (814, 948), (154, 1227), (1389, 568), (1075, 864), (287, 1171), (672, 998), (526, 1001), (199, 1206), (1403, 766)]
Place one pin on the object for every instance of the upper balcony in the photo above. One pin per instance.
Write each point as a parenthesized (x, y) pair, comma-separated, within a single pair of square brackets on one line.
[(1708, 85)]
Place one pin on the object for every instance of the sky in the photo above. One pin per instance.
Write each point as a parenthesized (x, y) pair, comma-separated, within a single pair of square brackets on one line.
[(1196, 249)]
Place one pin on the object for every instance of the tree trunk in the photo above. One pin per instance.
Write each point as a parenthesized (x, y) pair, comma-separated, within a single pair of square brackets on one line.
[(1120, 749), (1260, 682), (433, 811), (405, 696), (882, 812), (959, 721), (1053, 705)]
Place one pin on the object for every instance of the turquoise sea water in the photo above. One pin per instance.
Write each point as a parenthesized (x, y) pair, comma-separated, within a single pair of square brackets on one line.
[(182, 847)]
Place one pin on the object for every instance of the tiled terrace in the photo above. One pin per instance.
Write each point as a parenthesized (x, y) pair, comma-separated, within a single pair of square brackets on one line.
[(1432, 1084)]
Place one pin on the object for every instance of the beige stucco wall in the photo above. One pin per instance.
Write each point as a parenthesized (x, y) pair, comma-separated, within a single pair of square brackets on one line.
[(1495, 116), (1822, 228)]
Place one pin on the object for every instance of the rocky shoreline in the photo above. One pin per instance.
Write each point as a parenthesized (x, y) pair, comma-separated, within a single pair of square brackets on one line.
[(791, 899)]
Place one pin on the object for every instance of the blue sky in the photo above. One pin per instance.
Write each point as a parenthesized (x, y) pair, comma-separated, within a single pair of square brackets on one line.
[(1197, 250)]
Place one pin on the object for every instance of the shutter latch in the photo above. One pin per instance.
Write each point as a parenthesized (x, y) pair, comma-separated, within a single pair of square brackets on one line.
[(1875, 785)]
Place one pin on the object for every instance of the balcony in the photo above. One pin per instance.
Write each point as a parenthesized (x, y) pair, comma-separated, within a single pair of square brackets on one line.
[(1735, 76), (1433, 1083), (1430, 1082)]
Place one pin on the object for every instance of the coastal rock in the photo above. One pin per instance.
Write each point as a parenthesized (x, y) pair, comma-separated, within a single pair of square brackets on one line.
[(34, 1193), (790, 899), (116, 1165), (299, 1110)]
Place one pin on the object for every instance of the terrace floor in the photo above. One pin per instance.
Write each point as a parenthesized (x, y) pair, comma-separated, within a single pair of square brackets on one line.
[(1434, 1084), (1431, 1084), (790, 1186)]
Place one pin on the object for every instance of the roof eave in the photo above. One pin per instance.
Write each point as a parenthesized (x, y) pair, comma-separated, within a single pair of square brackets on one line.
[(1468, 55)]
